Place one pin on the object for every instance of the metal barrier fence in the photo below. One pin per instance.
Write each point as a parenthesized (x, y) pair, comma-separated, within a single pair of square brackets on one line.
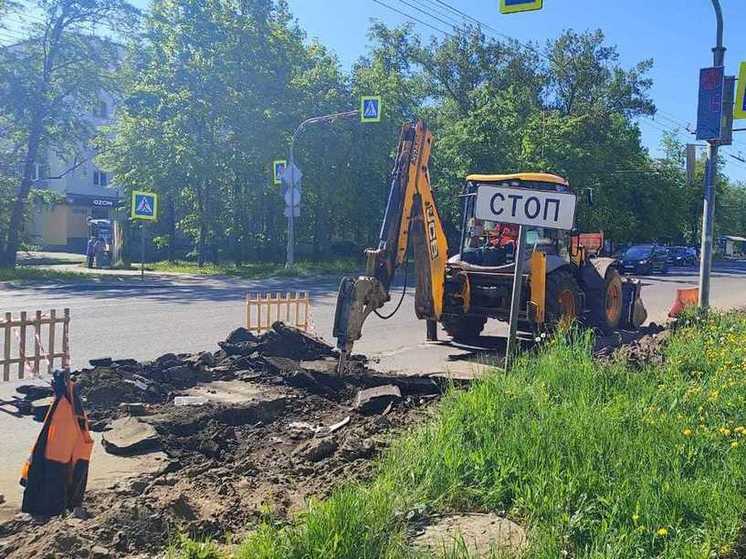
[(264, 309), (21, 331)]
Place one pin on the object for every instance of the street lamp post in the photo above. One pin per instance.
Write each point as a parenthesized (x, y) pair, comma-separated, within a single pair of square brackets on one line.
[(291, 165), (708, 212)]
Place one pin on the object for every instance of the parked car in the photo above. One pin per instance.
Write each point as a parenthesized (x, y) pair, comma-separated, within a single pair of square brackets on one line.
[(682, 256), (645, 259)]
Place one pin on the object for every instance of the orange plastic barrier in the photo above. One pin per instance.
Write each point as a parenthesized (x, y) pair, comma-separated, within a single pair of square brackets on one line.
[(687, 297)]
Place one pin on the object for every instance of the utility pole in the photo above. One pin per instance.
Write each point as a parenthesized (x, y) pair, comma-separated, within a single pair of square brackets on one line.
[(708, 212), (291, 165)]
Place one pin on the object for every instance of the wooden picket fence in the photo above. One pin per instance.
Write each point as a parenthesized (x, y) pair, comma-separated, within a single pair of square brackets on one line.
[(264, 309), (40, 331)]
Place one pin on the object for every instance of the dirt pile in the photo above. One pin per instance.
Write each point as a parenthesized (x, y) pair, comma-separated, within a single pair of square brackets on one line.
[(638, 348), (229, 465)]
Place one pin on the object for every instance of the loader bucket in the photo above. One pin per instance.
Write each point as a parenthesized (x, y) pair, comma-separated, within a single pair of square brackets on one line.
[(635, 313)]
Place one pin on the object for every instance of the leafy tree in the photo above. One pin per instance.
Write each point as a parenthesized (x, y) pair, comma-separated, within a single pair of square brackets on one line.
[(50, 82), (216, 88)]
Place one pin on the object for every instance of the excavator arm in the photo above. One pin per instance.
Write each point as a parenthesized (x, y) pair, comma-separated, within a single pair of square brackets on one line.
[(410, 212)]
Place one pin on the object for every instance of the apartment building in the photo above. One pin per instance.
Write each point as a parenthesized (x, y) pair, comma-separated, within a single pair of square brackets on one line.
[(87, 194)]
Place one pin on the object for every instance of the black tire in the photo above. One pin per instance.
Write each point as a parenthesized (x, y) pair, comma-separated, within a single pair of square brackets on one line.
[(563, 298), (463, 328), (608, 309)]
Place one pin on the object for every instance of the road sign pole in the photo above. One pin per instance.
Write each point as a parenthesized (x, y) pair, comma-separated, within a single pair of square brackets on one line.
[(290, 260), (142, 251), (290, 257), (515, 301), (708, 211)]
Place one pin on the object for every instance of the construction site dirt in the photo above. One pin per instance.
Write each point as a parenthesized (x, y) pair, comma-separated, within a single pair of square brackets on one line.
[(250, 431), (254, 429)]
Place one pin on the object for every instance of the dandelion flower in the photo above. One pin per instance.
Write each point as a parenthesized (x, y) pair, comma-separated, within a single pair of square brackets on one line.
[(734, 444), (662, 532), (687, 432)]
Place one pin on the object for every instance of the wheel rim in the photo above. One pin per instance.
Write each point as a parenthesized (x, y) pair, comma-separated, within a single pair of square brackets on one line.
[(567, 304), (613, 302)]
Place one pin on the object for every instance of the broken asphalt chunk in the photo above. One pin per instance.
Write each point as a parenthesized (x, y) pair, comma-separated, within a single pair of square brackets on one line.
[(375, 400), (240, 335), (287, 341), (101, 362), (129, 436), (32, 392)]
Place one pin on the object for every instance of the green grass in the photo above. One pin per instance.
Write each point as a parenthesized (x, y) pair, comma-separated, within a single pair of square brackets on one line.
[(33, 273), (259, 270), (185, 548), (593, 458)]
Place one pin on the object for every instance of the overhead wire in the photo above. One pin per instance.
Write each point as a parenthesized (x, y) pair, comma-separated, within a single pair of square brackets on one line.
[(436, 18), (435, 8), (412, 18)]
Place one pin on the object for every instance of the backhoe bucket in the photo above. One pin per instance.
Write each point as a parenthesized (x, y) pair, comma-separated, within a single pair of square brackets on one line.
[(635, 313)]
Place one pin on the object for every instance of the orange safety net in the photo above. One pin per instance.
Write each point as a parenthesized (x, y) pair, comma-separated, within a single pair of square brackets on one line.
[(56, 474)]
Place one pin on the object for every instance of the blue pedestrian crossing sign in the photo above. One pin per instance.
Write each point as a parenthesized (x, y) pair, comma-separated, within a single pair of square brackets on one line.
[(513, 6), (144, 205), (370, 108), (278, 169)]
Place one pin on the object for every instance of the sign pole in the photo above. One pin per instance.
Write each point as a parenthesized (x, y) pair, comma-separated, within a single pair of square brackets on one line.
[(142, 251), (708, 212), (290, 261), (324, 119), (515, 301)]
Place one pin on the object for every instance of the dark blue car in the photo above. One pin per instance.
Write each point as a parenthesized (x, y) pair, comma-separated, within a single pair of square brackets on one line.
[(645, 259)]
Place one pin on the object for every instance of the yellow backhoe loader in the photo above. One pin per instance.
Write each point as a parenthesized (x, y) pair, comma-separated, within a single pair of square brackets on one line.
[(561, 280)]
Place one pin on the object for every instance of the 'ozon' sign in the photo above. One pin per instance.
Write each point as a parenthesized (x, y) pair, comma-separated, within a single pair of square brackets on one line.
[(523, 206)]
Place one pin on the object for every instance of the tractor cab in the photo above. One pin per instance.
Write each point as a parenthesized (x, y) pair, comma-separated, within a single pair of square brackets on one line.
[(492, 244), (561, 279)]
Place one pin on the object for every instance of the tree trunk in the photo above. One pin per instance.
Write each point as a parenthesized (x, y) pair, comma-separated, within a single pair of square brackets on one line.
[(8, 257), (171, 224), (239, 230), (202, 240)]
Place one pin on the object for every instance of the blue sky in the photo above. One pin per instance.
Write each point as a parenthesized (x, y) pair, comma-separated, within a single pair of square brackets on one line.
[(677, 34)]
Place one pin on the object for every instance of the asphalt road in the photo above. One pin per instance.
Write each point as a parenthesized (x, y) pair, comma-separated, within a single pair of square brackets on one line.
[(192, 314)]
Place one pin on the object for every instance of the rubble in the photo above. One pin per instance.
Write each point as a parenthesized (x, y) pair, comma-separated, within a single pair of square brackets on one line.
[(285, 341), (298, 435), (317, 449), (32, 392), (129, 436), (133, 408), (638, 348), (376, 400)]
